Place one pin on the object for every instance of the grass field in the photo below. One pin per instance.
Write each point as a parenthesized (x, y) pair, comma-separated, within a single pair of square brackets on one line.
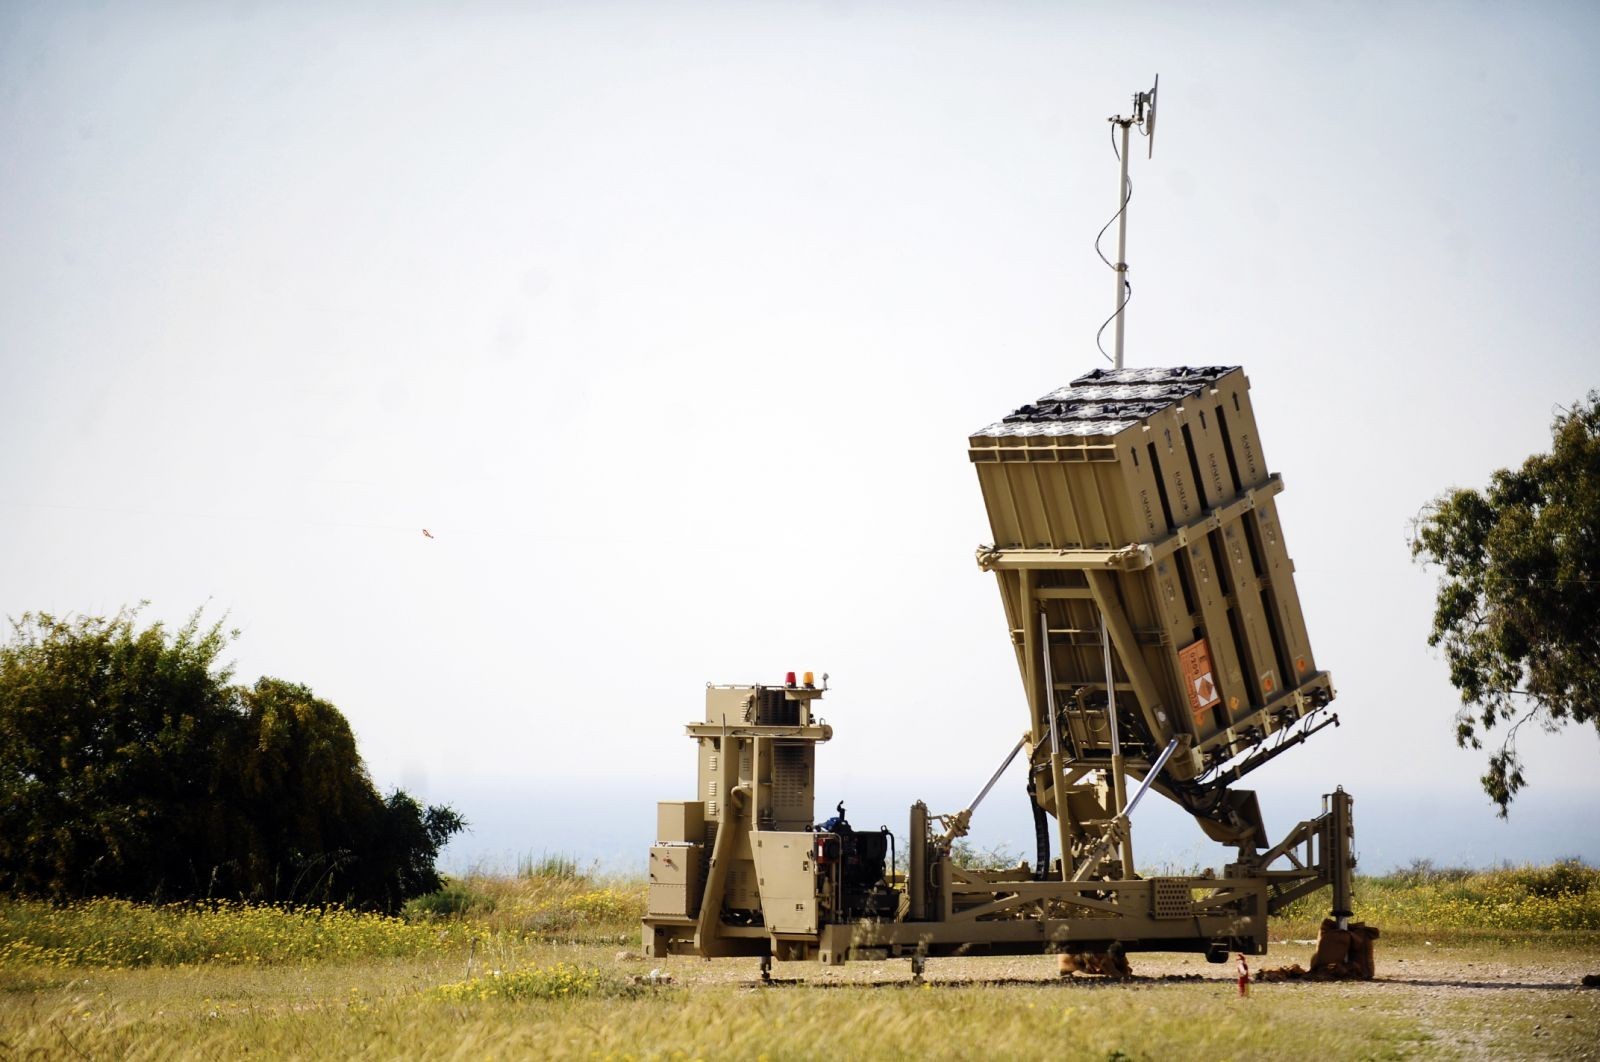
[(1471, 965)]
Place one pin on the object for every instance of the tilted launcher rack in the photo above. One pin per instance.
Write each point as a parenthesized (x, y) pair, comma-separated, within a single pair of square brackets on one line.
[(1151, 604), (1149, 593)]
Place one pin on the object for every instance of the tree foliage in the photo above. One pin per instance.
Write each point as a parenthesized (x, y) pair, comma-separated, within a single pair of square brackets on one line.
[(1518, 608), (132, 766)]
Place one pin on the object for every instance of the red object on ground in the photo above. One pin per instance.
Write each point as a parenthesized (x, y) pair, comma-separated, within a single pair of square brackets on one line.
[(1244, 976)]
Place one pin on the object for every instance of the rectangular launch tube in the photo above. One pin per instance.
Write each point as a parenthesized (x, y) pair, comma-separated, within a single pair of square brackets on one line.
[(1141, 499)]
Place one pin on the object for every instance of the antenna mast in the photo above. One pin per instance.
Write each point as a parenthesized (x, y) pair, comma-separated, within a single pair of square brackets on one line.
[(1144, 116)]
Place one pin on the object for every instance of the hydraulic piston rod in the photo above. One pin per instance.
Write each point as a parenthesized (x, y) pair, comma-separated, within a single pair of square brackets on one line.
[(996, 776), (956, 825)]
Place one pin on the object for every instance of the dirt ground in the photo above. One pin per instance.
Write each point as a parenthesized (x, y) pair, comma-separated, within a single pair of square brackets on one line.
[(1475, 999), (1416, 967)]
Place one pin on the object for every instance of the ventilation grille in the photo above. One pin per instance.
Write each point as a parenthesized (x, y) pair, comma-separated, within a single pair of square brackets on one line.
[(791, 775), (1170, 899)]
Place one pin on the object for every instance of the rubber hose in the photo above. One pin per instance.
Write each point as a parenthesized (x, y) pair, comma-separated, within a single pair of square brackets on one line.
[(1041, 834)]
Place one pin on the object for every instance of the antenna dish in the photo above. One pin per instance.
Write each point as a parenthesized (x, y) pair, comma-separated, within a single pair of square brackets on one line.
[(1150, 118)]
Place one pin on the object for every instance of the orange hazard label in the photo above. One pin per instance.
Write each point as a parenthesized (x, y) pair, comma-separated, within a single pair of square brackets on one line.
[(1199, 679)]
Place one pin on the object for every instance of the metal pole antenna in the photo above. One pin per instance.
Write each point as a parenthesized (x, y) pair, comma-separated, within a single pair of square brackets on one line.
[(1144, 116), (1122, 243)]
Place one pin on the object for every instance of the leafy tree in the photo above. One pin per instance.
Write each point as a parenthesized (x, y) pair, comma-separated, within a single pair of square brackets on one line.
[(131, 766), (1518, 607), (110, 743)]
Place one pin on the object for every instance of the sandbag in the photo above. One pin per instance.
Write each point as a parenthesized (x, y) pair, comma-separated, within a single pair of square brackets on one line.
[(1097, 964)]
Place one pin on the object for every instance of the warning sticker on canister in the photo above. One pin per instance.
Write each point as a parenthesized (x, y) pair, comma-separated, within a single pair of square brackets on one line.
[(1199, 679)]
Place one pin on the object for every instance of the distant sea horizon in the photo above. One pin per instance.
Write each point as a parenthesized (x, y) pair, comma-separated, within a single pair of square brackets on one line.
[(608, 824)]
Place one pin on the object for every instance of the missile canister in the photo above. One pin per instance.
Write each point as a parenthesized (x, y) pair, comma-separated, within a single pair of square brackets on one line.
[(1137, 502)]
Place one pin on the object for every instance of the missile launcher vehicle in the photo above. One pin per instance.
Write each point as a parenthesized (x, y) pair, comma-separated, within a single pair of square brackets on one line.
[(1150, 600)]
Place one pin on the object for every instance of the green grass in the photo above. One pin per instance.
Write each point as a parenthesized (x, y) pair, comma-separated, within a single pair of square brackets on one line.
[(529, 965), (1557, 902), (381, 1013), (491, 911), (116, 933)]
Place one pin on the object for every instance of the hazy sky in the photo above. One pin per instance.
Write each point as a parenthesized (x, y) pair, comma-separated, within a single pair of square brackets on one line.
[(670, 321)]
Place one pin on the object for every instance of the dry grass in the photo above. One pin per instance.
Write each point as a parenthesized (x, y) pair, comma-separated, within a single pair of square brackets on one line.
[(529, 966), (567, 906), (989, 1008), (384, 1012)]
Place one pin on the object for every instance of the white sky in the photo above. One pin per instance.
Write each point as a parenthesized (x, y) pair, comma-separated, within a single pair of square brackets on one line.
[(670, 323)]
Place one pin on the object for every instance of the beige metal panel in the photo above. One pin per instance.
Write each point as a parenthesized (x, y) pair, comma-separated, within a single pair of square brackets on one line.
[(709, 787), (787, 878), (998, 503), (1260, 655), (1232, 424), (681, 822), (1172, 602), (728, 704), (1203, 446), (1280, 573), (1084, 504), (1174, 468), (1171, 607), (1205, 432), (1149, 520), (1199, 562), (1239, 424), (790, 773), (1035, 501), (1209, 464), (1164, 444), (1206, 446), (1028, 521), (675, 880)]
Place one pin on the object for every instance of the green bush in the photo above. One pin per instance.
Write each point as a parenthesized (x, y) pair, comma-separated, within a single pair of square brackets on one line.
[(131, 766), (1508, 901), (1569, 877), (455, 900)]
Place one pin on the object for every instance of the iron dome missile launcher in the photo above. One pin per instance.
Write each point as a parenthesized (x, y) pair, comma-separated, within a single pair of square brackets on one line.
[(1150, 601)]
